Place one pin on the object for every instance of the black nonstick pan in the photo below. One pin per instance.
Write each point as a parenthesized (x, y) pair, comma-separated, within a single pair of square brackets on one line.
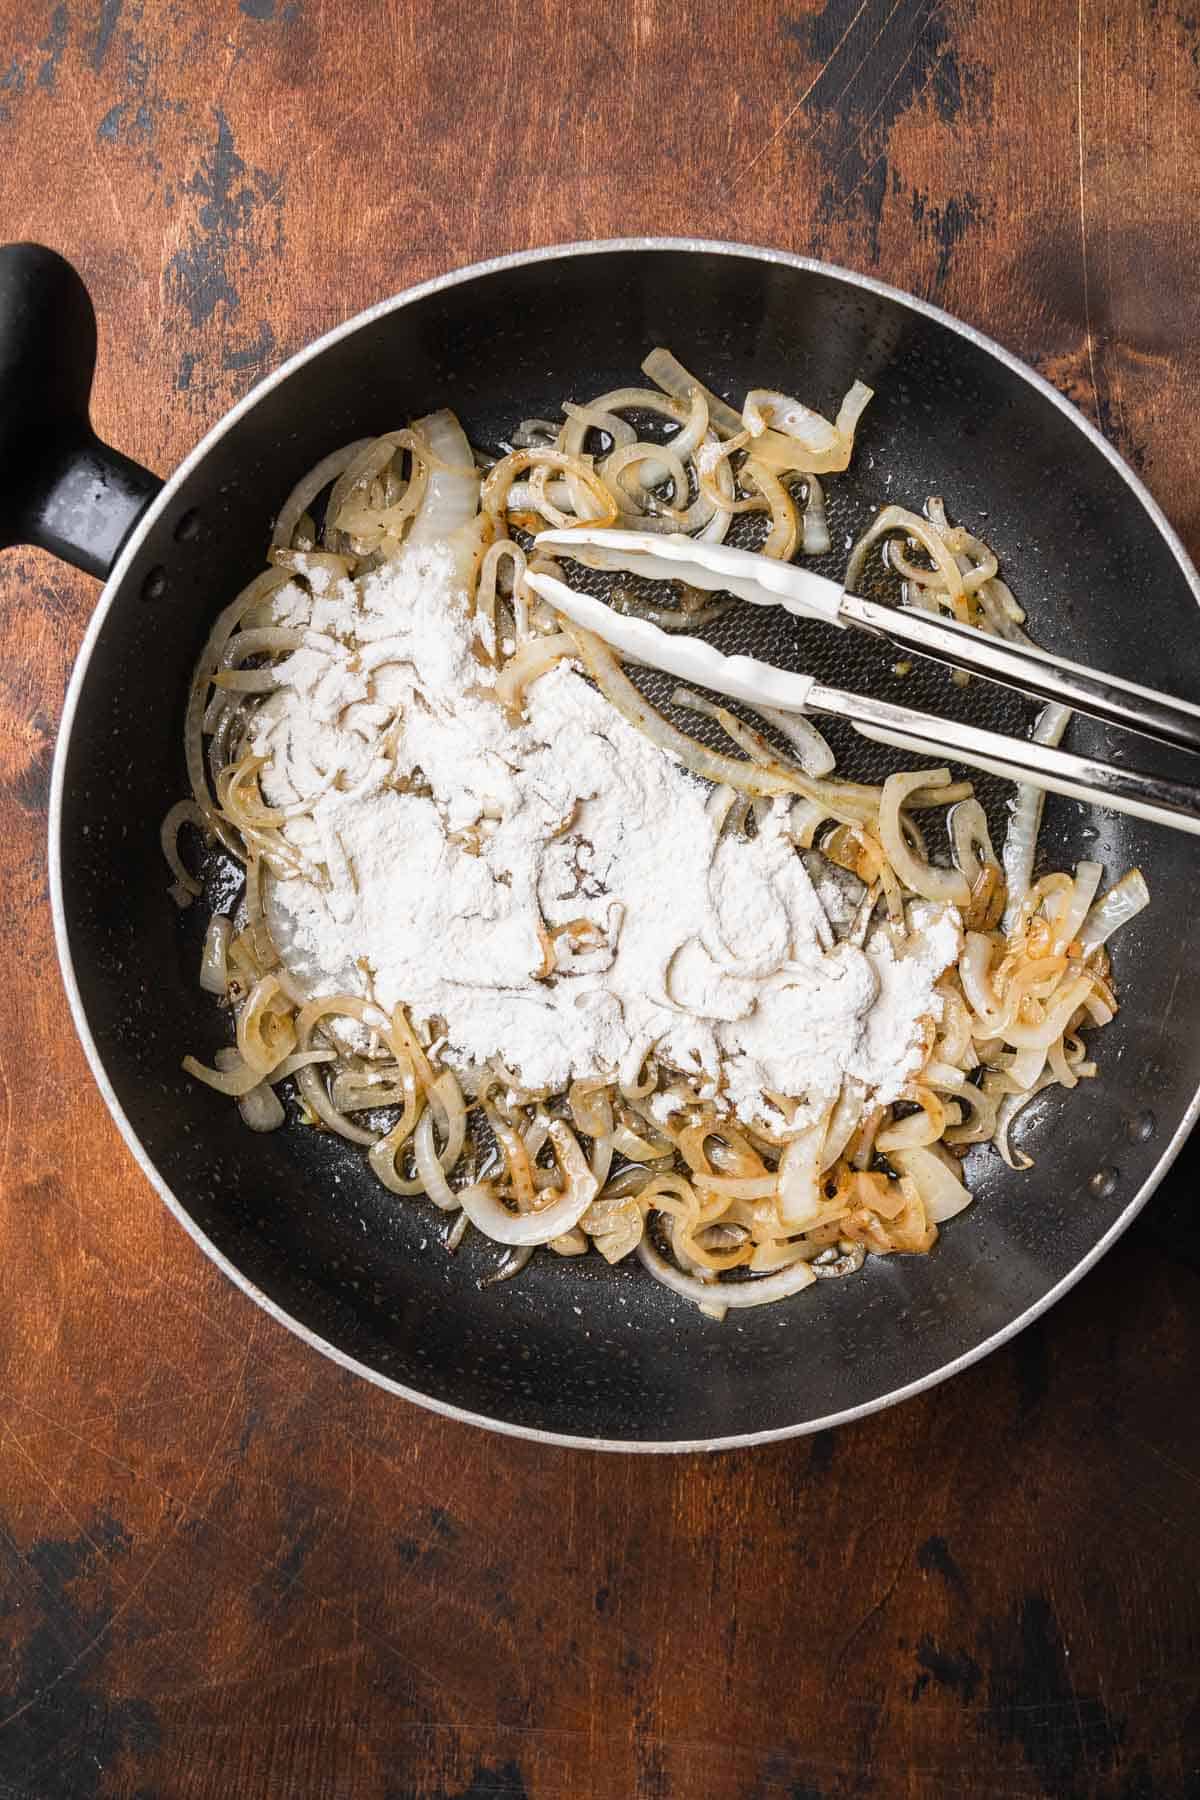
[(574, 1351)]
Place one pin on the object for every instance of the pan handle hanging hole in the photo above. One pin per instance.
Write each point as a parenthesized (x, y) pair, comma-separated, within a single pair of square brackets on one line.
[(155, 584)]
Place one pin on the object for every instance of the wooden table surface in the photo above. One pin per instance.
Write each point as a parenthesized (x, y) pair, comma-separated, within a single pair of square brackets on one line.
[(232, 1570)]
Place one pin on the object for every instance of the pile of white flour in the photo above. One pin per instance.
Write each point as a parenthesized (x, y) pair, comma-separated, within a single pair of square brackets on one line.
[(706, 949)]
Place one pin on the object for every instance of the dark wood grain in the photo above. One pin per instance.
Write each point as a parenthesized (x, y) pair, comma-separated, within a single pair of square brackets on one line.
[(228, 1568)]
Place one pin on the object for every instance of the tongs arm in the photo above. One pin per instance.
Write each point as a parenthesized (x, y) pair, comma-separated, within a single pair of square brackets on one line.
[(1172, 803), (1109, 698), (764, 582)]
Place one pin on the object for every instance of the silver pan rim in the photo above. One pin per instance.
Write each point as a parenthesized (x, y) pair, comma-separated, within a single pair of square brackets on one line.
[(108, 598)]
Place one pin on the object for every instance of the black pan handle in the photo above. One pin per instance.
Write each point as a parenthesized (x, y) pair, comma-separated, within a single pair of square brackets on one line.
[(60, 487)]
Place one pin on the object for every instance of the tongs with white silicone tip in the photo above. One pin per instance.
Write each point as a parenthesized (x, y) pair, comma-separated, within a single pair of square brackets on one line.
[(764, 582), (752, 577)]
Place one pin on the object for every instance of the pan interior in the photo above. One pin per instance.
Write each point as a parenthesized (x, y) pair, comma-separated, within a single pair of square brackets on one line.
[(573, 1347)]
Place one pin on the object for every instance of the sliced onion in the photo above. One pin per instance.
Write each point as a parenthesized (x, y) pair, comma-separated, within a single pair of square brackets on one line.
[(799, 1203), (629, 1183), (947, 794), (638, 1149), (347, 509), (1075, 907), (664, 520), (982, 1123), (596, 416), (261, 640), (804, 820), (615, 1227), (495, 1220), (265, 1030), (757, 1291), (540, 500), (521, 498), (431, 1169), (973, 963), (1025, 820), (447, 1093), (356, 1091), (653, 464), (1021, 1069), (695, 429), (214, 973), (812, 752), (446, 1109), (739, 1187), (918, 1129), (309, 486), (253, 595), (261, 1108), (452, 492), (899, 518), (485, 593), (942, 1193), (970, 839), (844, 1121), (846, 1262), (946, 885), (670, 375), (592, 1113), (382, 1155), (789, 435), (602, 507), (848, 801), (763, 409), (814, 539), (184, 812), (854, 403), (534, 434), (1101, 1012), (309, 1080), (535, 656), (238, 1080), (627, 399), (1066, 1003), (865, 1148), (1114, 909), (667, 618), (781, 1253), (954, 1031), (1009, 1109), (1057, 1063), (782, 538)]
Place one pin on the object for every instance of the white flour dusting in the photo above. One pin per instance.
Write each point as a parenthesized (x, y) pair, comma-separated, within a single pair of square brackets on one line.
[(447, 846)]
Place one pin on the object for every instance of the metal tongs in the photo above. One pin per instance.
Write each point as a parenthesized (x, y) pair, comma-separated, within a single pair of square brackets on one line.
[(752, 577)]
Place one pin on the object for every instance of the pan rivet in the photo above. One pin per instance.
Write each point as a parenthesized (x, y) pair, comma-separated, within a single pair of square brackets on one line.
[(1103, 1183), (155, 584), (187, 527), (1141, 1127)]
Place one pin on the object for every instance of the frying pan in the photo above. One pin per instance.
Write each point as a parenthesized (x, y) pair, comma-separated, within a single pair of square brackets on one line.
[(575, 1352)]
